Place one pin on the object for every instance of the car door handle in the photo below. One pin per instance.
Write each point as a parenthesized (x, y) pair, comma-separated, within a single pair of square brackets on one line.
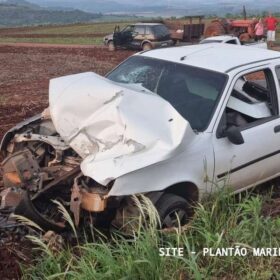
[(277, 128)]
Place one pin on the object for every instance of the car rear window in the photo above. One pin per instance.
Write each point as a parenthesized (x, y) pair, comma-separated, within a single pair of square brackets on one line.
[(160, 30)]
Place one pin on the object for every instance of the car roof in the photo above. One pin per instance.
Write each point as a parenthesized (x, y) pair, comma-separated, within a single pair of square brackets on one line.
[(217, 57), (220, 38), (147, 23)]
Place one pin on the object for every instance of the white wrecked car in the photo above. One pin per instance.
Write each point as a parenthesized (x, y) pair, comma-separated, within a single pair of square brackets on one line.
[(171, 124)]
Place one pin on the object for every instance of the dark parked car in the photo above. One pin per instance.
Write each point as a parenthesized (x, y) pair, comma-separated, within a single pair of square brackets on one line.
[(139, 36)]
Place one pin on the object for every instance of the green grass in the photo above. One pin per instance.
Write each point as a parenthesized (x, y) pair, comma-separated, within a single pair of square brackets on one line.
[(78, 40), (87, 28), (94, 28), (220, 222), (106, 27), (278, 37)]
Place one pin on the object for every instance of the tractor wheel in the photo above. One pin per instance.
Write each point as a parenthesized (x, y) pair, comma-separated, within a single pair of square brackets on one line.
[(111, 46), (244, 37), (215, 28)]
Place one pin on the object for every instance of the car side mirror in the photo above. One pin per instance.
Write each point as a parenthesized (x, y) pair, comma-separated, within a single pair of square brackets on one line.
[(234, 135)]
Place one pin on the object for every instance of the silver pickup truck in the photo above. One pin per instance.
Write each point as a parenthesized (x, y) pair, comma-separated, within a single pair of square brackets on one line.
[(172, 124)]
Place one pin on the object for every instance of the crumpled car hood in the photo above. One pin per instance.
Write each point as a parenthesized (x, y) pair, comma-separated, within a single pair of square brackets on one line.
[(114, 128)]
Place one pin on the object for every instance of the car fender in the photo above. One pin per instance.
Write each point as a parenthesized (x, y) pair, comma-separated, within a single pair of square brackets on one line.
[(146, 42), (10, 133), (186, 190), (193, 164)]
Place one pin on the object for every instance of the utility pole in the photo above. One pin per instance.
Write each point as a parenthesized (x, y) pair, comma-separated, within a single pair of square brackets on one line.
[(244, 12)]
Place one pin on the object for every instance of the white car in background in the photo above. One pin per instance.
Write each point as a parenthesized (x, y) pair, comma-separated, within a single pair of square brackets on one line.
[(172, 124), (228, 39)]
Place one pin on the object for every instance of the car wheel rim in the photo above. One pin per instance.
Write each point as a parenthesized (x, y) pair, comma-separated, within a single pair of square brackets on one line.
[(174, 218)]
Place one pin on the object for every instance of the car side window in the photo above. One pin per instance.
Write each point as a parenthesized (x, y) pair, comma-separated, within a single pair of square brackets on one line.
[(140, 30), (129, 28), (232, 42), (253, 100), (148, 30)]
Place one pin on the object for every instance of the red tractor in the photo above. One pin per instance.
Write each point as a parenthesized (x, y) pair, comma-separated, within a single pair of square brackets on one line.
[(244, 29)]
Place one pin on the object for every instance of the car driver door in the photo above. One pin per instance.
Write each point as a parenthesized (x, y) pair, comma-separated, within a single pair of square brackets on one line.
[(124, 37), (247, 137)]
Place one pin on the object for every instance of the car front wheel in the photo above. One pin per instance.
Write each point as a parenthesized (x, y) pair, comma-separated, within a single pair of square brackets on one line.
[(147, 47), (173, 210), (111, 46)]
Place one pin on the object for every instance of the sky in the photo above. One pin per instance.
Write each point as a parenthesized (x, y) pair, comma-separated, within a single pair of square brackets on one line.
[(155, 2), (145, 2)]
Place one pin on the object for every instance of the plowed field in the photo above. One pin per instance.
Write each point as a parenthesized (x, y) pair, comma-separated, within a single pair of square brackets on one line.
[(27, 68)]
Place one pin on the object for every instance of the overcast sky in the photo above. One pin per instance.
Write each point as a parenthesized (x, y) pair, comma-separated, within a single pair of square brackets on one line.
[(144, 2)]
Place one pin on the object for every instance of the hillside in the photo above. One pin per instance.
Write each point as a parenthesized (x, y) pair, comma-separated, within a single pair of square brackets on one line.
[(20, 12), (166, 7), (94, 6)]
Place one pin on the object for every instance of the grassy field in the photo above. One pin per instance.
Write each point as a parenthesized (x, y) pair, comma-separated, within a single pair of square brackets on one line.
[(67, 41), (84, 34), (79, 28), (223, 221)]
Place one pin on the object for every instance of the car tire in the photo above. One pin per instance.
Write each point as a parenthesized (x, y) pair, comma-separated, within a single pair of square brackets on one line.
[(111, 46), (172, 208), (147, 47)]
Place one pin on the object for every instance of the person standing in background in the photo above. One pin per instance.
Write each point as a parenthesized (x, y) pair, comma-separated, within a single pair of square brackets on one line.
[(259, 30), (271, 25)]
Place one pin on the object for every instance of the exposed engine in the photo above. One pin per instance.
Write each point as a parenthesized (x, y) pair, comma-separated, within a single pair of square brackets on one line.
[(39, 168)]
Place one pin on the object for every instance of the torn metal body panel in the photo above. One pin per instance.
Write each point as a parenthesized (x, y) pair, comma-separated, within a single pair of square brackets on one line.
[(55, 141), (10, 133), (115, 129)]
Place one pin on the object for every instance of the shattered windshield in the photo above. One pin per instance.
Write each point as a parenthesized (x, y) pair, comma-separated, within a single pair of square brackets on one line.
[(192, 91)]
